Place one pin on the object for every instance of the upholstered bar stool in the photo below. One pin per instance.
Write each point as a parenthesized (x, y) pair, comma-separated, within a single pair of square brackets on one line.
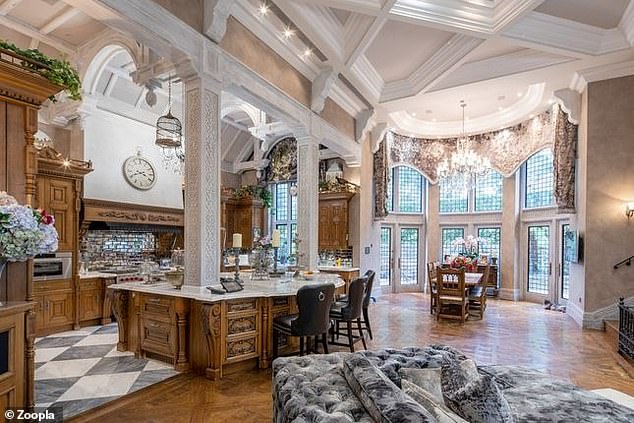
[(365, 319), (313, 302), (348, 312)]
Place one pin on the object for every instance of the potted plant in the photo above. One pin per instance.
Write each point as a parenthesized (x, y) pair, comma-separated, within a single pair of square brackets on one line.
[(24, 231)]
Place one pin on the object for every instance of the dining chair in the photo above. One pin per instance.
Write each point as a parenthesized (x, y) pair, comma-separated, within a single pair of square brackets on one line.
[(313, 320), (453, 302), (433, 288), (349, 312), (478, 293)]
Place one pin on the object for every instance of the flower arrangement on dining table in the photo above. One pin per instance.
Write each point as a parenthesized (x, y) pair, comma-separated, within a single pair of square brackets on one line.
[(24, 231), (468, 257)]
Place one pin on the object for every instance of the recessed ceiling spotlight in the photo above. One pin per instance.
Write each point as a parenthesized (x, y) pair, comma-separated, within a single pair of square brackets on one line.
[(531, 116), (263, 9), (551, 101), (433, 119), (306, 54), (414, 114), (519, 94), (500, 108), (288, 32)]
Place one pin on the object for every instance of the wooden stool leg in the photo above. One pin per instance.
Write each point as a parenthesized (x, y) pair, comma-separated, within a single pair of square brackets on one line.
[(350, 340), (324, 342), (366, 318), (301, 345), (275, 342), (365, 347)]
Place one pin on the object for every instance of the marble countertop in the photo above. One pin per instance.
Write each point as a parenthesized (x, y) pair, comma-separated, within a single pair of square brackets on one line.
[(275, 287), (338, 269), (94, 274)]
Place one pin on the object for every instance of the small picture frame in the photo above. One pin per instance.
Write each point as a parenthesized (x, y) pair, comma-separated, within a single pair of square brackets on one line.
[(231, 285), (484, 259)]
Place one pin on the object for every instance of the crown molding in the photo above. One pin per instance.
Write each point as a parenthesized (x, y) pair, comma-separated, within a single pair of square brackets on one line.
[(582, 78), (627, 23), (367, 75), (366, 7), (443, 61), (517, 112), (347, 100), (567, 36), (507, 64)]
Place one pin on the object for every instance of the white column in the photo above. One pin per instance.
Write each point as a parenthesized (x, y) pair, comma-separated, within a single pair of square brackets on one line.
[(202, 181), (308, 200)]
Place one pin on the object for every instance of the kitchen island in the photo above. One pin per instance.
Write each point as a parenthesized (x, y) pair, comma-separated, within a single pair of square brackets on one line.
[(213, 334)]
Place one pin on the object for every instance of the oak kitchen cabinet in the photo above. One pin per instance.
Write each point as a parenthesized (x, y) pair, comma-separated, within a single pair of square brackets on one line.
[(58, 197), (55, 310), (241, 216), (333, 220), (94, 305)]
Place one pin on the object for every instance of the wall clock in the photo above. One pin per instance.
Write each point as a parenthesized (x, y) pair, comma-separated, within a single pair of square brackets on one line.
[(139, 172)]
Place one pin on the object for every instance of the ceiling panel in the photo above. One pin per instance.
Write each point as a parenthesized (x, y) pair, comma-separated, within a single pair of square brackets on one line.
[(78, 30), (601, 13), (341, 15), (37, 12), (400, 48), (126, 91)]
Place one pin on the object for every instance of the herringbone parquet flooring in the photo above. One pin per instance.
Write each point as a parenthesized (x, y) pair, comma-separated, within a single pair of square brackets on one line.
[(511, 333)]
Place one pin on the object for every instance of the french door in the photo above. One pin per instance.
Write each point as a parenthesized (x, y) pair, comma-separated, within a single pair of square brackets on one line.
[(546, 265), (401, 267)]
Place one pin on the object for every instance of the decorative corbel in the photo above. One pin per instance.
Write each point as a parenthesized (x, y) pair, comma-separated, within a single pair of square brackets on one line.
[(364, 121), (215, 16), (321, 88)]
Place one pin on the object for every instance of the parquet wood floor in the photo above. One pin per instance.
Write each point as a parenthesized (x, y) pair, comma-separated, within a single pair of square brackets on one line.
[(511, 333)]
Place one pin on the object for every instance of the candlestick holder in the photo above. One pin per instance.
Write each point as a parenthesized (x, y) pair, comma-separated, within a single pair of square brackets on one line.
[(275, 259), (236, 255)]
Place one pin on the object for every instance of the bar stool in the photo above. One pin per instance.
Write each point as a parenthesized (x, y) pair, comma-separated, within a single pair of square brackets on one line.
[(313, 302), (350, 311)]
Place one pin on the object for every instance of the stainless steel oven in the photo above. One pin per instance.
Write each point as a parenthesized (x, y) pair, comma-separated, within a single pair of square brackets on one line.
[(48, 267)]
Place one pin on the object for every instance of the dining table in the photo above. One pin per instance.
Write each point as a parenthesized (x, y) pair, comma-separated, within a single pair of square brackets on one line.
[(472, 279)]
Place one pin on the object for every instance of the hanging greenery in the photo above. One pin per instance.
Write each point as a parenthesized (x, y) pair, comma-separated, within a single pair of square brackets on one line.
[(254, 191), (57, 71)]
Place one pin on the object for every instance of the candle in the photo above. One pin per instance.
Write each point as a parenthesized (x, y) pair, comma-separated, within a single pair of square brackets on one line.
[(237, 240), (275, 239)]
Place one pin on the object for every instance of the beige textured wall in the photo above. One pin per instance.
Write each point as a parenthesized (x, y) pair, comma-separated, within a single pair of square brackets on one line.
[(610, 155), (509, 272), (433, 225), (188, 11), (250, 50), (62, 140), (228, 179), (369, 229), (338, 118)]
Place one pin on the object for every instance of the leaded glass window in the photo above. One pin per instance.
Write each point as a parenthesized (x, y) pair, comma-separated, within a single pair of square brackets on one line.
[(405, 191), (449, 235), (453, 200), (488, 192), (538, 180)]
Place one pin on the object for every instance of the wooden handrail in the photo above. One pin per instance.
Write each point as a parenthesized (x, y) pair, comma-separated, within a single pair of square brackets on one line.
[(626, 262)]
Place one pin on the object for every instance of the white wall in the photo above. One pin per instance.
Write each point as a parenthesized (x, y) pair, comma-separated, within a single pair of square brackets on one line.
[(108, 140)]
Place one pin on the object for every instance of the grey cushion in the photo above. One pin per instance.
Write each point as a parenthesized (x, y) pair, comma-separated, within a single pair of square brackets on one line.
[(480, 401), (456, 374), (441, 413), (383, 400)]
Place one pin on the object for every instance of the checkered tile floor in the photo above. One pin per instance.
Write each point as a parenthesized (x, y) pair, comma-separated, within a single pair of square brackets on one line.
[(80, 370)]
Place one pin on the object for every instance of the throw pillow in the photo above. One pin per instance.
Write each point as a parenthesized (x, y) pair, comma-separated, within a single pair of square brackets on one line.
[(456, 374), (427, 400), (427, 379), (480, 401), (382, 399)]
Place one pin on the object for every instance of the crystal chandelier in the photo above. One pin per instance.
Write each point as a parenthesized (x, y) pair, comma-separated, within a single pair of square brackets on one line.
[(465, 164), (169, 137)]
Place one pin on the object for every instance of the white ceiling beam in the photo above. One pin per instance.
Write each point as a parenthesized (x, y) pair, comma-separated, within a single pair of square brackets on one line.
[(33, 32), (110, 85), (9, 5), (59, 20), (366, 7), (215, 15), (627, 23), (369, 36), (227, 146)]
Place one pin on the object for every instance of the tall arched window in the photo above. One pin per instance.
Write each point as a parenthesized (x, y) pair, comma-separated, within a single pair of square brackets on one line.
[(405, 191), (488, 192), (538, 180)]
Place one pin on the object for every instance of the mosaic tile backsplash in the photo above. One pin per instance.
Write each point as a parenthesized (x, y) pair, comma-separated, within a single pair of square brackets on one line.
[(117, 247)]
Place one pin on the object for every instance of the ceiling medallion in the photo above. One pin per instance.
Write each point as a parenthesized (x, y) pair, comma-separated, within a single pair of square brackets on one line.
[(169, 137), (460, 172)]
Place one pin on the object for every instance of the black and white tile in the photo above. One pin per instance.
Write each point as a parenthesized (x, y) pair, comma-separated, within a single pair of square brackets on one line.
[(80, 370)]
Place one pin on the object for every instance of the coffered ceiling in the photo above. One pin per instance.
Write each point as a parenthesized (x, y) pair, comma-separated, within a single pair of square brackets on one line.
[(412, 61)]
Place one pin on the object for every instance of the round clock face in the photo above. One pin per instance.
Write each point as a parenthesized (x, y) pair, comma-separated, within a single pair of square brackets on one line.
[(139, 172)]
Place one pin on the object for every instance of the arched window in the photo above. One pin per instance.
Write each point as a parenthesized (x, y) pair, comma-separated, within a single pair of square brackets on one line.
[(453, 200), (405, 191), (538, 180), (488, 192)]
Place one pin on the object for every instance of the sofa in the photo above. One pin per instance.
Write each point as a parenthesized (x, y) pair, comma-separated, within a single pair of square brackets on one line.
[(381, 386)]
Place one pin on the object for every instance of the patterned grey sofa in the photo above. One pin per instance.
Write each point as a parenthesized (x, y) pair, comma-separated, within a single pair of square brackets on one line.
[(316, 388)]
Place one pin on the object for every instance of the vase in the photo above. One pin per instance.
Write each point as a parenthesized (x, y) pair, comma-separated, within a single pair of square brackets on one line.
[(176, 278), (261, 261)]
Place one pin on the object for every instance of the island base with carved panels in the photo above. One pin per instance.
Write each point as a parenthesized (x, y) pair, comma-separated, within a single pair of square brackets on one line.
[(208, 333)]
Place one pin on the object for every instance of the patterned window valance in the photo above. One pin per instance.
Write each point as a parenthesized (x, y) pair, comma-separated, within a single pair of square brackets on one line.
[(283, 161), (506, 148)]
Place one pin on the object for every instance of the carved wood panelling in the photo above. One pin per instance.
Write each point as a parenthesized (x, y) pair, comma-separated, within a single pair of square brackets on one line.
[(108, 211)]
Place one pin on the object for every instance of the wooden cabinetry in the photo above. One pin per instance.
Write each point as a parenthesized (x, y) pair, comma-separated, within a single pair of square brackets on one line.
[(241, 327), (162, 328), (94, 305), (333, 220), (58, 197), (241, 216), (55, 310)]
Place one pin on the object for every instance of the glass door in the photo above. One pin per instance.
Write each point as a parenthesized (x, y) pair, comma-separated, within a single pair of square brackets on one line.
[(539, 263), (566, 249), (401, 268)]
